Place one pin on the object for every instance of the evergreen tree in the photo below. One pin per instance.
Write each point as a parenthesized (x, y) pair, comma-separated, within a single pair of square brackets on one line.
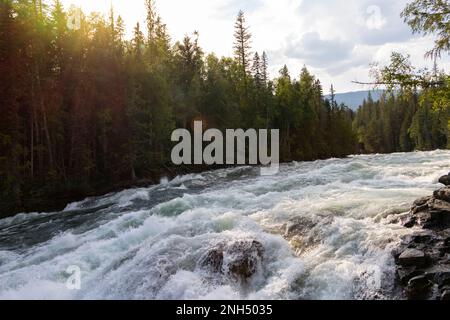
[(242, 43)]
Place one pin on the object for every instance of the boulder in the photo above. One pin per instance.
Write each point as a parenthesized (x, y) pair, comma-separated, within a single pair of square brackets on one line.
[(439, 274), (406, 274), (419, 237), (410, 222), (246, 257), (412, 257), (422, 201), (420, 205), (213, 260), (240, 259), (439, 205), (443, 194), (423, 258), (419, 287), (445, 180)]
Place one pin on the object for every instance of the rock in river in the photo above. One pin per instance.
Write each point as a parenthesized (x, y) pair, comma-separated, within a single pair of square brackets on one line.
[(423, 257), (412, 257), (239, 259), (445, 180)]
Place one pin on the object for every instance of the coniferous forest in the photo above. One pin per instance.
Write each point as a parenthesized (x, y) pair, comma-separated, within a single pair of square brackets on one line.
[(83, 108)]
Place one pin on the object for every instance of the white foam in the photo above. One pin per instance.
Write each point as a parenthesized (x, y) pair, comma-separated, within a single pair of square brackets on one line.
[(154, 252)]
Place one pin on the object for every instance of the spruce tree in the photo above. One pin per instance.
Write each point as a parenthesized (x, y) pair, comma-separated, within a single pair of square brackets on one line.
[(242, 43)]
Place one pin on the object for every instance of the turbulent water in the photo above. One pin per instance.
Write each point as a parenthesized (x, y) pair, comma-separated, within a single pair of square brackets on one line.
[(148, 243)]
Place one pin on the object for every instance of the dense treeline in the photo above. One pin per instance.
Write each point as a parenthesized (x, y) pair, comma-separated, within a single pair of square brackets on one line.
[(400, 123), (414, 114), (82, 107)]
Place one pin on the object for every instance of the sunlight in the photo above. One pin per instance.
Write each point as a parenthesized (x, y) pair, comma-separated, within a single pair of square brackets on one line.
[(130, 11)]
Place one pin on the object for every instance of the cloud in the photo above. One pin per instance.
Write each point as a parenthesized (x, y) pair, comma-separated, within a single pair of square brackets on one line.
[(230, 8), (376, 20), (316, 51)]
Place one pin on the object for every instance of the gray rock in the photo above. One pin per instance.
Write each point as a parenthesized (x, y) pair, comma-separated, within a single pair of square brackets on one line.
[(443, 194), (422, 201), (419, 237), (439, 205), (245, 259), (240, 259), (412, 257), (213, 260), (439, 274), (445, 180), (423, 258), (406, 274), (419, 287), (410, 222)]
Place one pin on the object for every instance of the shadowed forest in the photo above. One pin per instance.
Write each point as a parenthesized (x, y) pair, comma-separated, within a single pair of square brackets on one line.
[(83, 109)]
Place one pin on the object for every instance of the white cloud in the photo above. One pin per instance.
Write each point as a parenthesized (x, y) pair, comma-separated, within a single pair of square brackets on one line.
[(336, 39), (376, 20)]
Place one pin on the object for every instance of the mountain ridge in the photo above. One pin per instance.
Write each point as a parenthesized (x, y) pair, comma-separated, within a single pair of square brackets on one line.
[(354, 99)]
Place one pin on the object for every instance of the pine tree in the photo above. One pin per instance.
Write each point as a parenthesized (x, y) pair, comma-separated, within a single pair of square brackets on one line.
[(242, 43), (152, 20), (138, 42), (264, 68), (333, 97), (256, 70)]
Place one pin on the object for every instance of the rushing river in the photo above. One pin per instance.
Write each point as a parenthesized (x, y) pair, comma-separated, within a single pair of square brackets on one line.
[(148, 243)]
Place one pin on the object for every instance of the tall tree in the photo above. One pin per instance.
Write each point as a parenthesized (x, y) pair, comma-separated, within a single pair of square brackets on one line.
[(242, 42), (256, 70), (264, 68)]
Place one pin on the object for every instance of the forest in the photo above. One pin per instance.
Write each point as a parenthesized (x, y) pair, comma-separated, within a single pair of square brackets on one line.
[(84, 109)]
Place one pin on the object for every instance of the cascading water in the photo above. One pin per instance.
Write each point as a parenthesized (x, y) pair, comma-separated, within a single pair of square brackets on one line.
[(325, 230)]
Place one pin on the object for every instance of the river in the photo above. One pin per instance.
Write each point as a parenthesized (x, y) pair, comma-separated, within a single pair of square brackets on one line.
[(148, 243)]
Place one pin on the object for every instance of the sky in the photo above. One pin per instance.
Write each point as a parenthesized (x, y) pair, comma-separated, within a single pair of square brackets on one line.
[(336, 39)]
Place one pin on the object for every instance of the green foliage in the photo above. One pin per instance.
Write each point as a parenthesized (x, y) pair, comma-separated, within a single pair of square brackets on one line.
[(430, 17), (404, 121)]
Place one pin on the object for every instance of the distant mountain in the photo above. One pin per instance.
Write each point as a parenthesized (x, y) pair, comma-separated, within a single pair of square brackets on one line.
[(354, 99)]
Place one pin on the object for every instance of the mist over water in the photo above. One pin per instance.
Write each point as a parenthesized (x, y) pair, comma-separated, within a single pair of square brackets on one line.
[(148, 243)]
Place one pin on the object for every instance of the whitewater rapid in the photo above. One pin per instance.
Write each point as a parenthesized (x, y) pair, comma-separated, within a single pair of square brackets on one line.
[(148, 243)]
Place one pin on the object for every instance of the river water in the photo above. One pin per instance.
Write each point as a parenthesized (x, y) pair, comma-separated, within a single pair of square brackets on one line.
[(148, 243)]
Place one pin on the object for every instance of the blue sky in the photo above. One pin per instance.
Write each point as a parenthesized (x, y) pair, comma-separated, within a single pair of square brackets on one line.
[(336, 39)]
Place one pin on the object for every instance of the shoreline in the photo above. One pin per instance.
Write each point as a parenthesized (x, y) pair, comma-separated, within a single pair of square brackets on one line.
[(423, 258), (56, 202)]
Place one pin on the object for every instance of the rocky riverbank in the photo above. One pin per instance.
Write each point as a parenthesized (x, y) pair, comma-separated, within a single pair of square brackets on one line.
[(423, 258)]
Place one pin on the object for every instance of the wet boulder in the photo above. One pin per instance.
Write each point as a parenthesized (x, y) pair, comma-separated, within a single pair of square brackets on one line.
[(417, 238), (213, 260), (445, 180), (442, 194), (404, 274), (240, 259), (423, 257), (439, 211), (246, 258), (419, 287), (412, 257), (434, 214), (420, 204), (439, 274)]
